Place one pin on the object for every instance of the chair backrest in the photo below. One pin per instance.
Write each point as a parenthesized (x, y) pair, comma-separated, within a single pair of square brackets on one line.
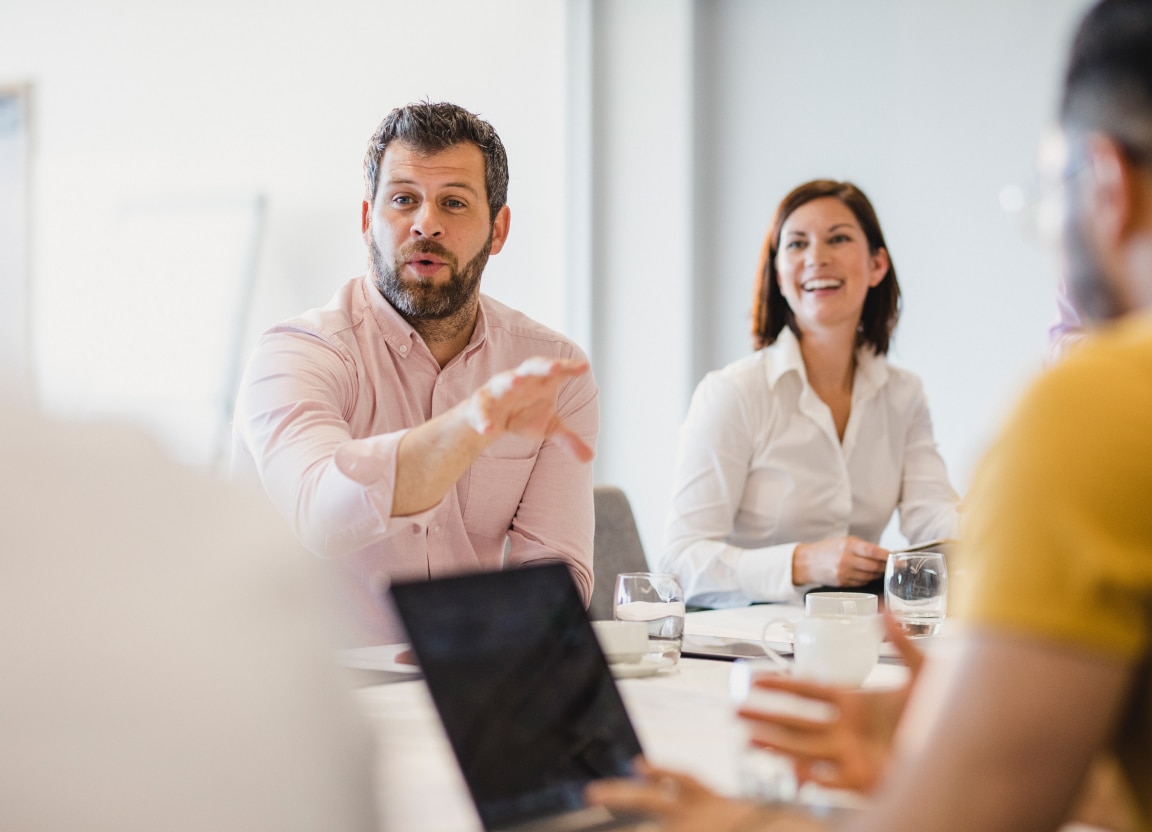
[(616, 548)]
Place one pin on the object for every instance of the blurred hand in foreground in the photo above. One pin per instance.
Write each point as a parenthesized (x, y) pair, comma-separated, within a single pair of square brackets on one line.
[(851, 750), (679, 803)]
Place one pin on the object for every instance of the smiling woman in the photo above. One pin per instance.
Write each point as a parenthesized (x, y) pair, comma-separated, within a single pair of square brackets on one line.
[(839, 215), (792, 460)]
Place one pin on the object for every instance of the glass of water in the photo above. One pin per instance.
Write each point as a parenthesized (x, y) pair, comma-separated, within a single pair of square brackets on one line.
[(765, 776), (916, 591), (656, 599)]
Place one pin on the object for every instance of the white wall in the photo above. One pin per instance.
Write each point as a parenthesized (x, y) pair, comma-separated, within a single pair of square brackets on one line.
[(655, 135), (642, 242), (930, 106), (15, 277), (139, 100)]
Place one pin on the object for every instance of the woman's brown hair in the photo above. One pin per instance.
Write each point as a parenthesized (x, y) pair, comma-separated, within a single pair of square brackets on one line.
[(771, 312)]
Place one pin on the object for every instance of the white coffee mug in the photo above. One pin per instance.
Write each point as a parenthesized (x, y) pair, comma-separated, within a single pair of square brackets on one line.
[(623, 642), (831, 649), (840, 603)]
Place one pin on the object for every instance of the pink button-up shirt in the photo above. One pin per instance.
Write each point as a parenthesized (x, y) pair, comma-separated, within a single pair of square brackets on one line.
[(324, 402)]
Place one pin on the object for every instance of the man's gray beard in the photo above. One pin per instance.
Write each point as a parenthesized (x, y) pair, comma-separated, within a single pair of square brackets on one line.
[(1088, 287), (421, 299)]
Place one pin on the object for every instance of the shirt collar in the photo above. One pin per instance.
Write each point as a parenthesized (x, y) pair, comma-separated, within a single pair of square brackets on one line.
[(480, 333), (871, 372), (397, 332), (786, 358), (871, 369), (401, 336)]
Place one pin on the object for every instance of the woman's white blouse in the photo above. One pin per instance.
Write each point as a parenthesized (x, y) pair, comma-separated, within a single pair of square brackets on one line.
[(760, 469)]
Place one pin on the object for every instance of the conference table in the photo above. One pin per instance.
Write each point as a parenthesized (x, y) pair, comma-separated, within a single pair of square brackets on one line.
[(684, 717)]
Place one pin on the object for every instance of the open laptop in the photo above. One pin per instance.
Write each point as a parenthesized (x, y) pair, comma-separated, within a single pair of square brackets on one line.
[(524, 692)]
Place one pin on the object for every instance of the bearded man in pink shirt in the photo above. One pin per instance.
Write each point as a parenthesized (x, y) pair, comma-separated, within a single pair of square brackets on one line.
[(413, 427)]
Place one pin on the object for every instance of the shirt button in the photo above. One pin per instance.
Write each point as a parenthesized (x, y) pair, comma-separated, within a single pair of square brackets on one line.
[(436, 529), (403, 348)]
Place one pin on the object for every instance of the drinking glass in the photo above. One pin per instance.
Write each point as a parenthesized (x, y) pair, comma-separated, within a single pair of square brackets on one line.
[(765, 776), (916, 591), (656, 599)]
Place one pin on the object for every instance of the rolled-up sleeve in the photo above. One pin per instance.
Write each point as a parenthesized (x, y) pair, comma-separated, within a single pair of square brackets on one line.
[(291, 426)]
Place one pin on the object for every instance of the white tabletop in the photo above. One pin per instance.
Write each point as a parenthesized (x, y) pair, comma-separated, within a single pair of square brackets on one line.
[(684, 719)]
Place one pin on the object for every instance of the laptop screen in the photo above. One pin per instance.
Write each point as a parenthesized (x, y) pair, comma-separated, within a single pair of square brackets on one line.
[(525, 694)]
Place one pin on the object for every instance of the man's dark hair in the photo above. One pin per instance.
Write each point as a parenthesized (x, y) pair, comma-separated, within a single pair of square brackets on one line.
[(432, 127), (771, 312), (1108, 85)]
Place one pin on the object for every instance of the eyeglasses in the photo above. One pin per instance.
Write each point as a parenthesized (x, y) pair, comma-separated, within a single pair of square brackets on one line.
[(1038, 206)]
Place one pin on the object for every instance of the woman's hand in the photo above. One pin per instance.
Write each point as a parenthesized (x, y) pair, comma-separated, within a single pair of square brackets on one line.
[(838, 561), (851, 750)]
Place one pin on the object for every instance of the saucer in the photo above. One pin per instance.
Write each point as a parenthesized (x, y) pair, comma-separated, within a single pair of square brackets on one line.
[(638, 670)]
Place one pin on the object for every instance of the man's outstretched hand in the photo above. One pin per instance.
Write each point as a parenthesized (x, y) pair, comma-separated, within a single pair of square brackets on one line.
[(523, 402), (433, 456)]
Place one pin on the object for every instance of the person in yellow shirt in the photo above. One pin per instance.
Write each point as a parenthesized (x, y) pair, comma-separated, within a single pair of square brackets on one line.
[(1053, 667)]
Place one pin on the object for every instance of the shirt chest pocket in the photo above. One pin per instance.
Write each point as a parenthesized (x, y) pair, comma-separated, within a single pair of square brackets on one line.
[(495, 486)]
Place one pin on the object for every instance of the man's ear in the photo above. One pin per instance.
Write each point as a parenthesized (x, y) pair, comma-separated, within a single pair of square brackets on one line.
[(1113, 191), (500, 229), (365, 220)]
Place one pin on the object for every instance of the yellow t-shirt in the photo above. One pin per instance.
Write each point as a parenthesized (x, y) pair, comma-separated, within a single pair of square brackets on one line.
[(1058, 539)]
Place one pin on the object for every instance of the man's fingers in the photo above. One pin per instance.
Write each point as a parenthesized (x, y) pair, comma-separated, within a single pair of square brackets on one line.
[(551, 367), (571, 443), (684, 784), (538, 372), (632, 796), (653, 791), (523, 400)]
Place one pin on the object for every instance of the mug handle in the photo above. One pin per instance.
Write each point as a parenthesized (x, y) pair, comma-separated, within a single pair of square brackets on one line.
[(768, 651)]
